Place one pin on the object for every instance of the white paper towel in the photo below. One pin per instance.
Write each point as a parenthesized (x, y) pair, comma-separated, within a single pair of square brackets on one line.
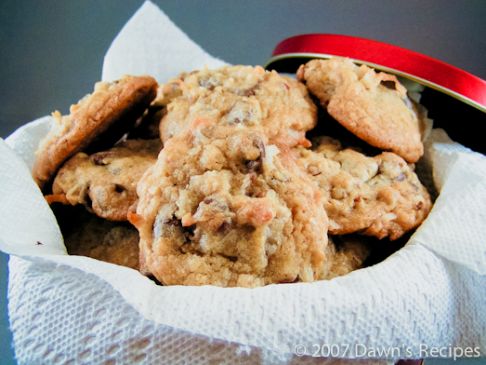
[(65, 308), (151, 44)]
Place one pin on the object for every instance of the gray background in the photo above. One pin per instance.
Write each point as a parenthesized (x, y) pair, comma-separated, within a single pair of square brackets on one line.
[(51, 52)]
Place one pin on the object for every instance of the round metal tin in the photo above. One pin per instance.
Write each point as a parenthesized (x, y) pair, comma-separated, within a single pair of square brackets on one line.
[(463, 116), (417, 67)]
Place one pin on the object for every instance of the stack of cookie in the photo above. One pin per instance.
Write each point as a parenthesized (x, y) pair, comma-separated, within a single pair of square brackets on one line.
[(238, 195), (88, 159)]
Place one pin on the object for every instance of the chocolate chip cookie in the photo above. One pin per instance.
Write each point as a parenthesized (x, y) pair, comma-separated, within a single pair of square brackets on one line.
[(379, 196), (109, 111), (248, 97), (105, 182), (114, 242), (373, 106), (229, 209)]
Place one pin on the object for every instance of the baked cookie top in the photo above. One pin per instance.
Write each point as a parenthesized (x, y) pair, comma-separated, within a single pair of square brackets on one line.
[(379, 196), (247, 96), (373, 106), (110, 110), (105, 182), (229, 209), (100, 239)]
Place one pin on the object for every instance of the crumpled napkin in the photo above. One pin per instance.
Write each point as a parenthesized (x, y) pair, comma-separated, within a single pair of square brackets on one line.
[(150, 43), (429, 293), (456, 227)]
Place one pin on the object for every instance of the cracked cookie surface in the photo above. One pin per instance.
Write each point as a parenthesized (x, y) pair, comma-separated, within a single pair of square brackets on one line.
[(373, 106), (244, 96), (227, 208), (105, 182), (379, 196)]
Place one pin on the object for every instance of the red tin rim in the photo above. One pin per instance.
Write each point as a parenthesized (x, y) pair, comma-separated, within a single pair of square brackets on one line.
[(413, 65)]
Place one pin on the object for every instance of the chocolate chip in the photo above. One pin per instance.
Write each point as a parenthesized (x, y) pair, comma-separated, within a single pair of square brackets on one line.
[(419, 205), (224, 228), (230, 258), (119, 188), (165, 227), (256, 165), (188, 232), (208, 200)]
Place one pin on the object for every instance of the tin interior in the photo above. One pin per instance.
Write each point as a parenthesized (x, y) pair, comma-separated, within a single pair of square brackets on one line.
[(463, 122)]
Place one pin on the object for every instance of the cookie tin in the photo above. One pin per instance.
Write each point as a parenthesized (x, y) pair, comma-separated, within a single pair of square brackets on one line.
[(455, 99)]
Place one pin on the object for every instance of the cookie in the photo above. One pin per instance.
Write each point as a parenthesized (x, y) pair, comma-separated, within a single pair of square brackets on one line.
[(379, 196), (100, 239), (105, 182), (109, 111), (373, 106), (229, 209), (344, 255), (247, 96)]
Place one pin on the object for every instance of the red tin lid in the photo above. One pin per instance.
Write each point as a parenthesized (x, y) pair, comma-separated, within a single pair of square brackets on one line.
[(417, 67)]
